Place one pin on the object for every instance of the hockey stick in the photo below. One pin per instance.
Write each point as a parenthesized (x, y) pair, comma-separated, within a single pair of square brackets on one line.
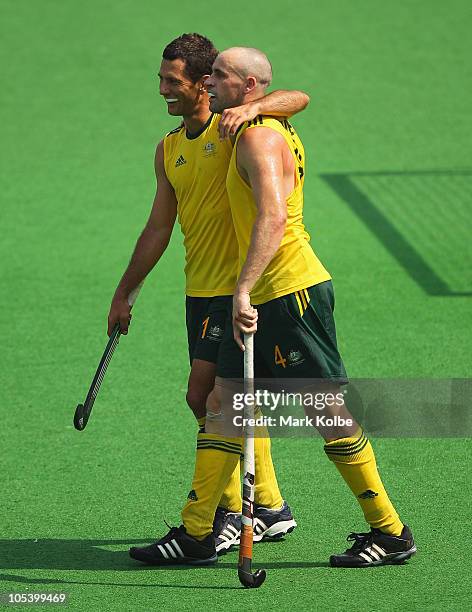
[(246, 577), (82, 412)]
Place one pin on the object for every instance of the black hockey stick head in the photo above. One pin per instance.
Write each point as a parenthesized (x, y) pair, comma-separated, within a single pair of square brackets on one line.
[(251, 581), (81, 417), (82, 412)]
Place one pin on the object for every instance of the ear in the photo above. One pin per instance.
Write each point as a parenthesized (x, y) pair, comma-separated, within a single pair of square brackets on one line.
[(251, 83), (203, 80)]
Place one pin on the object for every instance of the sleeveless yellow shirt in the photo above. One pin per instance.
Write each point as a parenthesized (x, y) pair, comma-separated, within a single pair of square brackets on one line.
[(295, 265), (196, 166)]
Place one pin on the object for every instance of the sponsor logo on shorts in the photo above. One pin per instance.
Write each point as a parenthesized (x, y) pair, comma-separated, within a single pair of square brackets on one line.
[(295, 358), (192, 495)]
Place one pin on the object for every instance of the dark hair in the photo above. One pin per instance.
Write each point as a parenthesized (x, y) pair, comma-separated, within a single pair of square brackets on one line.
[(197, 51)]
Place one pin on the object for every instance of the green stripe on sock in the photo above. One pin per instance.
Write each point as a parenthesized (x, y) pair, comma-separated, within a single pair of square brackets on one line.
[(222, 442), (337, 443), (222, 449), (346, 453), (232, 445)]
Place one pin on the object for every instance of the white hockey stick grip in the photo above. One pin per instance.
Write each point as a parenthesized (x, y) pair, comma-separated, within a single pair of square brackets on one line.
[(249, 359)]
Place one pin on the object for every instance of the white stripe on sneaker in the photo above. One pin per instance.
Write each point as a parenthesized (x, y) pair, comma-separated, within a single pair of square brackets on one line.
[(372, 553), (177, 548), (259, 526), (171, 550), (381, 551), (365, 557), (224, 537), (163, 551)]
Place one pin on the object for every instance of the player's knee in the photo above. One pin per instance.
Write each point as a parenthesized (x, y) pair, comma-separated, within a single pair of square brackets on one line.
[(213, 404), (196, 400)]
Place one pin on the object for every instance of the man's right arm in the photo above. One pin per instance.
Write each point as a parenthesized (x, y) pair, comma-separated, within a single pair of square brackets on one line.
[(279, 103), (150, 246)]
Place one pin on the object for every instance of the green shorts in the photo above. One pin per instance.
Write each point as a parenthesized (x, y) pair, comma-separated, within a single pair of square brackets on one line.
[(206, 320), (296, 338)]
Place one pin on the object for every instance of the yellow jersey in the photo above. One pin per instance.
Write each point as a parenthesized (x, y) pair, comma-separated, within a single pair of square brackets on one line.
[(196, 166), (294, 266)]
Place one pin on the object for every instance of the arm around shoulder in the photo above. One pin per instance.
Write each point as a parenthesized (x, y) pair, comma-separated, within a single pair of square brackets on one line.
[(279, 103), (282, 103)]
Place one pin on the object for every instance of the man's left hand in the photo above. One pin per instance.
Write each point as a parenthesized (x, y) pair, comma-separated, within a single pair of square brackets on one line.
[(232, 118)]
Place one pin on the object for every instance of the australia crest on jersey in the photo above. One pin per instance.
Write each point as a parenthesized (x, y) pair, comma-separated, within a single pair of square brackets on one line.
[(209, 149)]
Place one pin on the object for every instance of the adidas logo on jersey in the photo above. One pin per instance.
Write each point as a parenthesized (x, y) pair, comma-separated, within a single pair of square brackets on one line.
[(180, 162)]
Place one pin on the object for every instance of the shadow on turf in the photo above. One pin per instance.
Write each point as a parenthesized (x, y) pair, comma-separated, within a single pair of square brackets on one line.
[(406, 254), (25, 580), (93, 555)]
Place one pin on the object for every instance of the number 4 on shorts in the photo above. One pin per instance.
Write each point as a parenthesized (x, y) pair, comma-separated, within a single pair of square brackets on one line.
[(279, 360)]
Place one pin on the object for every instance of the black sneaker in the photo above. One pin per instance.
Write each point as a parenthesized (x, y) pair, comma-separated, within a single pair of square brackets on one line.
[(177, 548), (272, 524), (376, 548), (226, 529)]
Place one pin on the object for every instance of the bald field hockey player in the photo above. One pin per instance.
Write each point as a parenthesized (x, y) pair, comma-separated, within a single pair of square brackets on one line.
[(285, 294)]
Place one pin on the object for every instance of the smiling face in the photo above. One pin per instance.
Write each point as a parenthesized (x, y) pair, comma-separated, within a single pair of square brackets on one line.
[(226, 88), (180, 93)]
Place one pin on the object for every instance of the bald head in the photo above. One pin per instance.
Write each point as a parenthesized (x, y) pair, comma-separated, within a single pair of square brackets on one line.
[(239, 75), (248, 62)]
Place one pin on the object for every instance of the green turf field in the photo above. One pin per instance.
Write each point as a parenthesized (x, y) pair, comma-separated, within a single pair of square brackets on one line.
[(388, 204)]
